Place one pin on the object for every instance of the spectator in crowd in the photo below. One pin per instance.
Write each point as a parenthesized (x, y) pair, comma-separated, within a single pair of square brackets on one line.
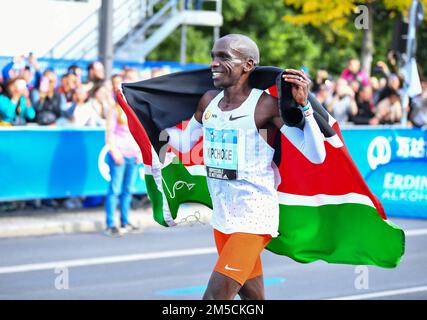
[(130, 75), (49, 103), (353, 72), (123, 157), (28, 76), (157, 72), (77, 71), (322, 76), (14, 68), (95, 74), (355, 86), (32, 73), (145, 74), (374, 82), (116, 84), (323, 95), (418, 114), (376, 89), (342, 105), (365, 106), (101, 100), (15, 104), (382, 83), (27, 68), (69, 83), (393, 85), (389, 110), (382, 69), (385, 71), (81, 112)]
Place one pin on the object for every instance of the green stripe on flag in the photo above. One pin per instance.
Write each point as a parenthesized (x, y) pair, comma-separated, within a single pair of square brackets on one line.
[(156, 199), (345, 233), (180, 186)]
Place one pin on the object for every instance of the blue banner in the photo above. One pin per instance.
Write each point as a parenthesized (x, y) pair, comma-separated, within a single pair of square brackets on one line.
[(393, 162), (49, 162)]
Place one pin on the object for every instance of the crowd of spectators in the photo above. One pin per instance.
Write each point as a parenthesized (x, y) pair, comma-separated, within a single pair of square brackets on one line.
[(29, 95), (355, 98)]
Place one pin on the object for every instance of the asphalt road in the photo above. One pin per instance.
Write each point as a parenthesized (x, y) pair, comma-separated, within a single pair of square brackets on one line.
[(176, 263)]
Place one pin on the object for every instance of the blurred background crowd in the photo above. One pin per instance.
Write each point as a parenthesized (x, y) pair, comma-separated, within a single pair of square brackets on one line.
[(355, 98), (32, 96)]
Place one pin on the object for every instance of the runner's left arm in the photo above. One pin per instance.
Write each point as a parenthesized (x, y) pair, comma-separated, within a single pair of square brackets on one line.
[(310, 140)]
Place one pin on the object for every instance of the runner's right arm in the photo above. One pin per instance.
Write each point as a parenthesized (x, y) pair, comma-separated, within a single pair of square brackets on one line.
[(184, 140)]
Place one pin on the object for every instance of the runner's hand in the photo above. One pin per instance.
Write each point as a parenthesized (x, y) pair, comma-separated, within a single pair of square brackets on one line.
[(300, 85)]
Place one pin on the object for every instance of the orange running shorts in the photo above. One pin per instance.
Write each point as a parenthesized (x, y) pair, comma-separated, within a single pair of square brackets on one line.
[(239, 254)]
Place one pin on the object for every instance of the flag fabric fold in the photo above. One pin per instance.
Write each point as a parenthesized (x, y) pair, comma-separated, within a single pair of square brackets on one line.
[(327, 211)]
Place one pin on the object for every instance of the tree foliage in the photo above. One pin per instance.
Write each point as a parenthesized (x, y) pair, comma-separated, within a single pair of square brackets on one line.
[(335, 19), (294, 33)]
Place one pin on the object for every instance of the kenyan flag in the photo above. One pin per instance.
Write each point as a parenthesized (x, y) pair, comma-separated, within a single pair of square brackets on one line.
[(327, 211)]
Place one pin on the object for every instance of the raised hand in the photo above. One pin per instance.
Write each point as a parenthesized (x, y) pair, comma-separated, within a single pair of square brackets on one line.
[(300, 85)]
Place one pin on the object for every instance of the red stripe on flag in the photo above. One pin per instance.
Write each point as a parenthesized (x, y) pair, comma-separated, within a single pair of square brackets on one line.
[(137, 130), (273, 91), (360, 178), (337, 175)]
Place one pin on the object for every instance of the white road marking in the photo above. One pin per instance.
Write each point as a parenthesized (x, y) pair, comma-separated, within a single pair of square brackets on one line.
[(415, 232), (107, 260), (134, 257), (382, 294)]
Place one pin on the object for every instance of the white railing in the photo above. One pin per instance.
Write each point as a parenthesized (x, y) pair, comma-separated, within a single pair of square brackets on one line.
[(144, 22), (82, 41), (167, 19), (161, 17)]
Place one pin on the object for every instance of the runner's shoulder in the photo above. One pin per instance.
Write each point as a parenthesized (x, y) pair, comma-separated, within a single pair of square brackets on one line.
[(268, 103), (207, 98)]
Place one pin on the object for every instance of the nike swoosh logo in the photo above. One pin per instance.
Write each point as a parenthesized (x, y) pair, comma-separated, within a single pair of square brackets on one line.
[(230, 268), (235, 118)]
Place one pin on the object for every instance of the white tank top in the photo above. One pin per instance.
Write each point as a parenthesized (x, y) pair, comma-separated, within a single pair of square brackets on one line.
[(238, 160)]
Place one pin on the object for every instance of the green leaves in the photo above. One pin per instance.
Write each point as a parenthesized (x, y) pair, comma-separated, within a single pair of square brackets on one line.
[(327, 40)]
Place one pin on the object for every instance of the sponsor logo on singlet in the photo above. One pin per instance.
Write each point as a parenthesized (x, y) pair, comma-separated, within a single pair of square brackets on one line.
[(208, 114)]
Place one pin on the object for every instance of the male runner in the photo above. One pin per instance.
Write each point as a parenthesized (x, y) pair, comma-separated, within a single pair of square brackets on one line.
[(239, 162)]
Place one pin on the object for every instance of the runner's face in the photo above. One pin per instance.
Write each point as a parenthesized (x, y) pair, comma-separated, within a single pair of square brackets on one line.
[(227, 64)]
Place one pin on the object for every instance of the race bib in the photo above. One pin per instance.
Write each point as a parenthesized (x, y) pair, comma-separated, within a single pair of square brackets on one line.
[(220, 153)]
